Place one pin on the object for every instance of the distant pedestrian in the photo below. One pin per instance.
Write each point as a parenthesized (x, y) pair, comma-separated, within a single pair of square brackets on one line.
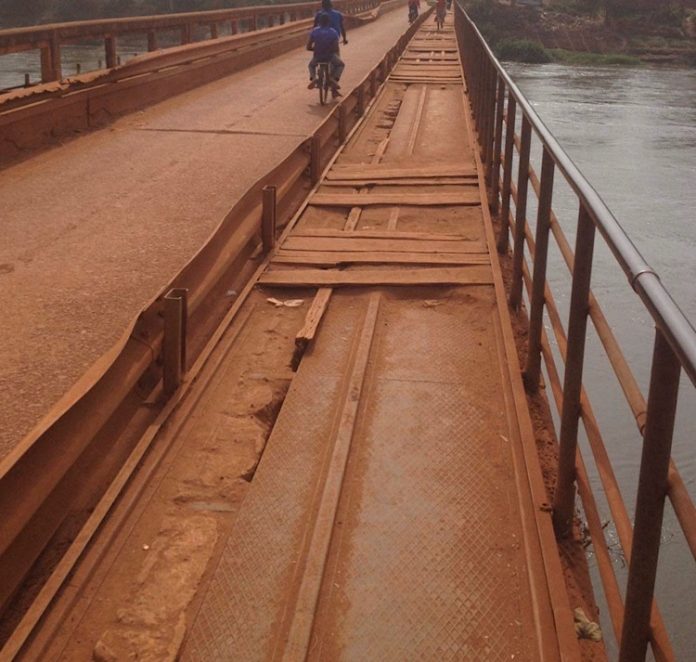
[(335, 19)]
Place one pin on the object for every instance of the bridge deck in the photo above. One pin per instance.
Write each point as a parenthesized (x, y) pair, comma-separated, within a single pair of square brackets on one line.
[(396, 511)]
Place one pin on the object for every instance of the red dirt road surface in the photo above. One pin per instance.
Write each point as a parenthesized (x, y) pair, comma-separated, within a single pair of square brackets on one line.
[(93, 229)]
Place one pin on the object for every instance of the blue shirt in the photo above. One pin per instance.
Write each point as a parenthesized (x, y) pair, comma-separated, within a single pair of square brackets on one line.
[(336, 19), (325, 42)]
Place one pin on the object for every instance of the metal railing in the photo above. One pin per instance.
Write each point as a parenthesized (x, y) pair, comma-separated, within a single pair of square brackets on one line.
[(49, 38), (497, 104)]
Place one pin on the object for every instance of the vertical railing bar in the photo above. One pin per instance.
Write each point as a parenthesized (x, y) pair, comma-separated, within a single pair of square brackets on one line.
[(497, 144), (520, 213), (564, 494), (483, 135), (489, 117), (479, 101), (650, 500), (504, 238), (536, 312)]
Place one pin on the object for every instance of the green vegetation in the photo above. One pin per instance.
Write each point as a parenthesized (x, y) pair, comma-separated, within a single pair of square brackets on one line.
[(526, 50), (522, 50), (590, 59), (588, 32)]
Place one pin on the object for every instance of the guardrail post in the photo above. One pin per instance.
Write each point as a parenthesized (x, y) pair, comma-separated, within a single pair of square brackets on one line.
[(152, 41), (213, 31), (174, 340), (564, 494), (504, 237), (233, 27), (536, 313), (268, 218), (650, 501), (110, 51), (282, 19), (254, 22), (520, 215), (315, 159), (186, 34), (51, 67), (373, 84), (497, 146), (360, 105), (342, 124)]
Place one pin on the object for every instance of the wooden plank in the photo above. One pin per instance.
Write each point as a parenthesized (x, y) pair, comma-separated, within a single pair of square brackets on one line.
[(311, 324), (335, 258), (313, 567), (403, 199), (412, 78), (425, 75), (447, 59), (375, 234), (429, 68), (441, 181), (353, 218), (473, 275), (386, 245), (364, 170)]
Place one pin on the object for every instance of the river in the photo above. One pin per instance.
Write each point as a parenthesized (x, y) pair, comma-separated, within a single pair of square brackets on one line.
[(632, 132), (89, 55)]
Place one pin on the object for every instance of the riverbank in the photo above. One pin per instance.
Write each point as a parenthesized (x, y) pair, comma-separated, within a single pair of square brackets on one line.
[(544, 34)]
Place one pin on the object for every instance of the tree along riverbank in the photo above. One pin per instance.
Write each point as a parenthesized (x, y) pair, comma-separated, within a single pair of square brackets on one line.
[(582, 32)]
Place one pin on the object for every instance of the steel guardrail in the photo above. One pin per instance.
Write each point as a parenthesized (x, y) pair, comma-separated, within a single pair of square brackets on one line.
[(50, 37)]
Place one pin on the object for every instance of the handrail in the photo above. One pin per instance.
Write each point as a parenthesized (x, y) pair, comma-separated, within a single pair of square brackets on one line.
[(643, 279), (49, 37), (497, 104)]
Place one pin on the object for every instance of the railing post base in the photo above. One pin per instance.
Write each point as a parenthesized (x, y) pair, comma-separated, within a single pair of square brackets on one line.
[(268, 219), (174, 340)]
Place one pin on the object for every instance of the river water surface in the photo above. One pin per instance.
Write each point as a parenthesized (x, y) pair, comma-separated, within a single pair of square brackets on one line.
[(632, 132)]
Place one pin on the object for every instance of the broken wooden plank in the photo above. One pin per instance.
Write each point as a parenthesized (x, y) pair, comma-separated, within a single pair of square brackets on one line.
[(473, 275), (386, 245), (367, 171), (335, 258), (311, 324), (404, 199)]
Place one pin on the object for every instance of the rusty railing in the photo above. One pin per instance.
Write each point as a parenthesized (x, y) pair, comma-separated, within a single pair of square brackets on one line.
[(498, 107), (48, 39)]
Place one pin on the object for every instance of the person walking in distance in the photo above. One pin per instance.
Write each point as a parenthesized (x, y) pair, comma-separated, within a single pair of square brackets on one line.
[(335, 17)]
